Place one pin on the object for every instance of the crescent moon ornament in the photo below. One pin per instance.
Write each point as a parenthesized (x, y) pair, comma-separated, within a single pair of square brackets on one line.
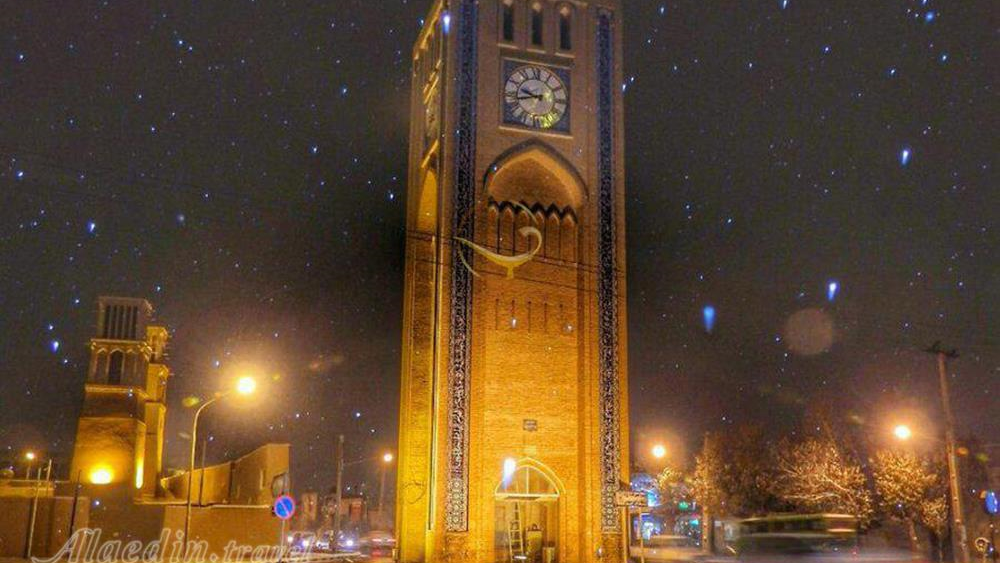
[(509, 263)]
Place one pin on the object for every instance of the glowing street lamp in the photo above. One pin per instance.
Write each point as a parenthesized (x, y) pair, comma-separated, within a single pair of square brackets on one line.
[(29, 456), (244, 386), (386, 460), (659, 451), (100, 475), (902, 432)]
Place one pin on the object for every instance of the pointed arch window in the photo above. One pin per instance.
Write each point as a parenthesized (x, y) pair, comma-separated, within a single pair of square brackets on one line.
[(527, 482), (116, 365), (507, 20), (537, 25), (565, 28)]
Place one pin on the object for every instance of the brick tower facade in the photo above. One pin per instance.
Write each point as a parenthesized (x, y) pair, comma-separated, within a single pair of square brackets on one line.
[(513, 415)]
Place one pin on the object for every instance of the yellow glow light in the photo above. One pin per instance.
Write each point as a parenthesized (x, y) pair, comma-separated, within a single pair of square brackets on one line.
[(659, 451), (246, 385), (902, 432), (139, 465), (387, 457), (509, 467), (100, 475), (30, 456)]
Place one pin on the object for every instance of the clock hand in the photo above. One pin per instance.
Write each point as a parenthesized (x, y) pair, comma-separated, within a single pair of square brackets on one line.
[(530, 95)]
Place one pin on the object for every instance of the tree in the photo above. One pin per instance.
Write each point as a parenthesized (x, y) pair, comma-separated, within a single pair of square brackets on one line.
[(904, 483), (669, 479), (674, 494), (749, 473), (817, 476), (707, 486), (933, 514), (672, 487)]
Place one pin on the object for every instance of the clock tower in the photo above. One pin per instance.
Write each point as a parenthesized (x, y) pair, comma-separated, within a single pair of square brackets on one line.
[(513, 409)]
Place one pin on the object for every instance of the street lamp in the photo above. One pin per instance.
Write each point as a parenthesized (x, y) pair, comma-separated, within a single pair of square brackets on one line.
[(30, 457), (659, 451), (386, 460), (902, 432), (244, 386), (100, 475)]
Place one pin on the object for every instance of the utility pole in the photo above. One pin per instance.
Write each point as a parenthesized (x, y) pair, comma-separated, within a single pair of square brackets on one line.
[(34, 503), (76, 500), (959, 538), (201, 478), (338, 460)]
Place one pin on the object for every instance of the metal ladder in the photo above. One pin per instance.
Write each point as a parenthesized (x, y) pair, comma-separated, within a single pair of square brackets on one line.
[(515, 536)]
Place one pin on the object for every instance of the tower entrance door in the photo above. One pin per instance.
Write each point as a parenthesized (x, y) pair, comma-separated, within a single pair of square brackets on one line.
[(527, 517)]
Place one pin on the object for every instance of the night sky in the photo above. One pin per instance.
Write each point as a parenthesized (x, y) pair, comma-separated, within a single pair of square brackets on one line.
[(243, 166)]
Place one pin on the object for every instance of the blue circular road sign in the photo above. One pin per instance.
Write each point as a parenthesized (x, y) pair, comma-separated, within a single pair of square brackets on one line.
[(284, 507)]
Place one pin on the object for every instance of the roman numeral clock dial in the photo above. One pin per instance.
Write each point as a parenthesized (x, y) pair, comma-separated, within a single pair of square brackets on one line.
[(536, 97)]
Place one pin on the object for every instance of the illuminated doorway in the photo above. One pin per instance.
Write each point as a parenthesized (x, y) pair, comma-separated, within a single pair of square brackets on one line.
[(527, 517)]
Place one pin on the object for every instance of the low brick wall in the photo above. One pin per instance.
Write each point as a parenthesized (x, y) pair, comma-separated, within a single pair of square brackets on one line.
[(51, 524)]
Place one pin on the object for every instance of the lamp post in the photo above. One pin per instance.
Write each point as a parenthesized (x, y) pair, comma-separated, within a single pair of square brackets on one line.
[(340, 464), (244, 386), (903, 433), (29, 456), (386, 460)]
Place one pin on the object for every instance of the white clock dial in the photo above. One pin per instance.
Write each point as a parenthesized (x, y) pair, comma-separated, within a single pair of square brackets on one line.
[(536, 96)]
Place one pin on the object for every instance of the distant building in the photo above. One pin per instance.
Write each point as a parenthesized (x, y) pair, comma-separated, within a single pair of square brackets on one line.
[(116, 481), (119, 437), (255, 479)]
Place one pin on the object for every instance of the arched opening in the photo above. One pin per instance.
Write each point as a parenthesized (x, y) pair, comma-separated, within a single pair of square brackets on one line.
[(527, 515), (100, 365), (533, 172), (507, 20), (565, 28), (533, 184), (116, 364), (537, 23)]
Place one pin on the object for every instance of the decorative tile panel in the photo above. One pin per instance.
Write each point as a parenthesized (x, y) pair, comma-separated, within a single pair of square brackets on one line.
[(607, 283), (459, 345)]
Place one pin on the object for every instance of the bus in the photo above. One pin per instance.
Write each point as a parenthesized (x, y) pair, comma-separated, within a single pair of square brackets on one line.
[(794, 536)]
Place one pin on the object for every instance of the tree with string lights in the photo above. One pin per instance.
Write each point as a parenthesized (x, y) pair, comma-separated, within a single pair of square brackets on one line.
[(816, 475)]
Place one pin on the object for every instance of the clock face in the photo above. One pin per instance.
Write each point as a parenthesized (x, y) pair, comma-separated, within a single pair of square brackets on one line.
[(535, 96)]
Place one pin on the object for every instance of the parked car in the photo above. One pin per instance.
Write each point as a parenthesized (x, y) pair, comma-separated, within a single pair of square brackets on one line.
[(300, 541), (666, 549), (324, 541)]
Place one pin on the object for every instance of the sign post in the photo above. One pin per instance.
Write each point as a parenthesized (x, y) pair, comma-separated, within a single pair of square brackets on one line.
[(629, 500), (284, 509)]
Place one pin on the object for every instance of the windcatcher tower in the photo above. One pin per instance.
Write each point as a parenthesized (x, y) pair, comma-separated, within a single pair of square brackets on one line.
[(119, 438)]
